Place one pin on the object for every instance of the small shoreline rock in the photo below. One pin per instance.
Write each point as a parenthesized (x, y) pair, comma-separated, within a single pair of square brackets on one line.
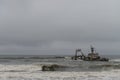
[(52, 67)]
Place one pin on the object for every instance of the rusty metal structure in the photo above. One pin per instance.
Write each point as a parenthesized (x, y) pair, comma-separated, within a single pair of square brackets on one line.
[(92, 56)]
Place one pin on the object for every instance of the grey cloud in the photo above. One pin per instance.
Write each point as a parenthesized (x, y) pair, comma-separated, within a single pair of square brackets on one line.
[(58, 26)]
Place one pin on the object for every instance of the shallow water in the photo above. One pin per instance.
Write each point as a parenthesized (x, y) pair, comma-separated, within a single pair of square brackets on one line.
[(30, 69)]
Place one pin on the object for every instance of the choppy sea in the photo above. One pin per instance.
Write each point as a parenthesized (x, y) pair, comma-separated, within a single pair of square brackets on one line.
[(24, 67)]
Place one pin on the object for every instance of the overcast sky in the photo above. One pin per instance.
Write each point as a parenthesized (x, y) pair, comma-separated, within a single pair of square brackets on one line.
[(59, 26)]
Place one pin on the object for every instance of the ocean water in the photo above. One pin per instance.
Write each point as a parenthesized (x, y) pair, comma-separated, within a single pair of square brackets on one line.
[(30, 68)]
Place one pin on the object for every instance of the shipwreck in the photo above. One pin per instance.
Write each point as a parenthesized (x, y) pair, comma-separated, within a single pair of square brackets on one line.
[(92, 56)]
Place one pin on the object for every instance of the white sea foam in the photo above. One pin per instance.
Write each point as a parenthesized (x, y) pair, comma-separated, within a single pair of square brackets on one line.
[(116, 60), (61, 76), (19, 68), (30, 69), (32, 72)]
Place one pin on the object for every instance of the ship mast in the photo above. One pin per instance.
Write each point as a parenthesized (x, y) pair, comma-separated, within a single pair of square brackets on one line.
[(92, 49)]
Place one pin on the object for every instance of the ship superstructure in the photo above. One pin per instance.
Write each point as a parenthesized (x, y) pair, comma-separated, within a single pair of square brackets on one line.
[(92, 56)]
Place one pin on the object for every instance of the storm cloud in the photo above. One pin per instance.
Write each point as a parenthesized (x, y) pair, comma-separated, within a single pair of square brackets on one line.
[(59, 26)]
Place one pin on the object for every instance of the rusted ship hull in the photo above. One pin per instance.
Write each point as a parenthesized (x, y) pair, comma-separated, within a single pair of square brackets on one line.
[(93, 56)]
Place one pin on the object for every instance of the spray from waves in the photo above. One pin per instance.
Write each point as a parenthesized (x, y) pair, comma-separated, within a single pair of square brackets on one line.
[(115, 60), (31, 69), (19, 68), (24, 65), (83, 66)]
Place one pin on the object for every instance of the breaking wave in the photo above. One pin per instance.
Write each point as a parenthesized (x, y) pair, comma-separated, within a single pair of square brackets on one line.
[(31, 69)]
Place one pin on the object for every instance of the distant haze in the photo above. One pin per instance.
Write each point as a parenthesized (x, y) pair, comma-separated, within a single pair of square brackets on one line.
[(47, 27)]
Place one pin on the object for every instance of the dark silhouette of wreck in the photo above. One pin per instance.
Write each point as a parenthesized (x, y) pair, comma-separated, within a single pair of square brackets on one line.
[(93, 56)]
